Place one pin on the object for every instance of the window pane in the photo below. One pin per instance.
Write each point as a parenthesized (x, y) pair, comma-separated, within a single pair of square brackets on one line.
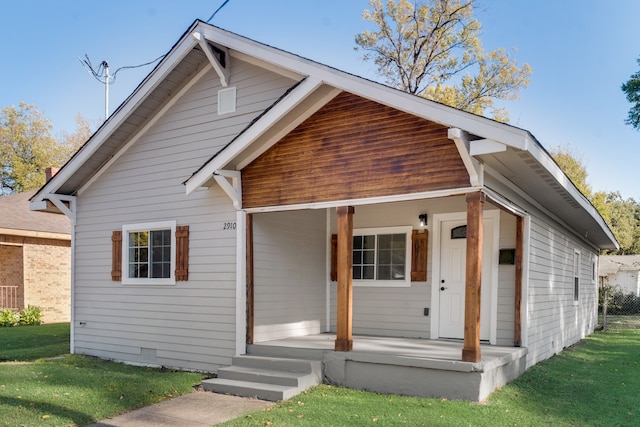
[(369, 257), (384, 257), (357, 272), (143, 254), (384, 241), (357, 242), (459, 232), (369, 242), (367, 272), (357, 257), (384, 272), (397, 272)]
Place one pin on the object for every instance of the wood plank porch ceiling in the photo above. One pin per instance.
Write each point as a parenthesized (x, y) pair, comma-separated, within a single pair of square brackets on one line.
[(354, 148)]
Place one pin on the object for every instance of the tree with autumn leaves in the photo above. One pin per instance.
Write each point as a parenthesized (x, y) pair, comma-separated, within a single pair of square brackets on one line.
[(433, 49), (27, 147)]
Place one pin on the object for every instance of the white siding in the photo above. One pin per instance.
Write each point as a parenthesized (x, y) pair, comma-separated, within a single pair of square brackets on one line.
[(553, 320), (506, 283), (390, 311), (290, 274), (190, 325)]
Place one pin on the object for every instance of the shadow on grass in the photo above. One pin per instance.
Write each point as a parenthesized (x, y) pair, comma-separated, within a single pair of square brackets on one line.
[(42, 411)]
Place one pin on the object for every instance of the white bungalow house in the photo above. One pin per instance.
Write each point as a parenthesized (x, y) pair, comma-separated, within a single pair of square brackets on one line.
[(246, 202), (622, 272)]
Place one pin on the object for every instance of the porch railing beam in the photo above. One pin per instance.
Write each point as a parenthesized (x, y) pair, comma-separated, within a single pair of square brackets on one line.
[(471, 350), (344, 338)]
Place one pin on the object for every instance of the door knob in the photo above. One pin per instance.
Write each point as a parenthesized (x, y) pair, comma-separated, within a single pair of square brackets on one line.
[(442, 288)]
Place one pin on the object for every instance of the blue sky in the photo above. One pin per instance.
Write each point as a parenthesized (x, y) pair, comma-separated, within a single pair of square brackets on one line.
[(580, 52)]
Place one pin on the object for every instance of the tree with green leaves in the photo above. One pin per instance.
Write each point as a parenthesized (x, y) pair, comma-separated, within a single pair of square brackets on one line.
[(622, 215), (632, 90), (27, 148), (434, 50)]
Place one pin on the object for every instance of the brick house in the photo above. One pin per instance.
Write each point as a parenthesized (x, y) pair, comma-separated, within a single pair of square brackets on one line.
[(35, 259)]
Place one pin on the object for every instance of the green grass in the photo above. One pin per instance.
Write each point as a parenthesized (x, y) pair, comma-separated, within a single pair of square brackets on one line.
[(73, 390), (596, 383), (620, 321), (34, 342)]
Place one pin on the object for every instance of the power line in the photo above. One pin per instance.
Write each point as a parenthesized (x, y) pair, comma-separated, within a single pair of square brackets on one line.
[(101, 74), (217, 10)]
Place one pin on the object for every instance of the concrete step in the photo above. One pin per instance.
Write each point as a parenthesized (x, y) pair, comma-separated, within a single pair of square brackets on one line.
[(277, 364), (262, 391), (243, 373), (266, 378)]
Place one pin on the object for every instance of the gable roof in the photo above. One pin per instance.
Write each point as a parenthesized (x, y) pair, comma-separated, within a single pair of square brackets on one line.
[(17, 219), (504, 150)]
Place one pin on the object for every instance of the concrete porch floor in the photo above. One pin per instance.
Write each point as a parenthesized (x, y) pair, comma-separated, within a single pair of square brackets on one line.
[(417, 367)]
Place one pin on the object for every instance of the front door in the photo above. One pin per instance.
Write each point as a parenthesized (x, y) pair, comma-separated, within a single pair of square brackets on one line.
[(452, 281)]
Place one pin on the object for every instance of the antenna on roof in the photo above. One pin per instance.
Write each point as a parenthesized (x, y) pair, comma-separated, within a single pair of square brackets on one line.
[(101, 73)]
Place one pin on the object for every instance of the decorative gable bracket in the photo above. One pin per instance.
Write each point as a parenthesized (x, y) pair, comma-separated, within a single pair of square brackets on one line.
[(473, 166), (233, 188), (65, 204), (218, 57)]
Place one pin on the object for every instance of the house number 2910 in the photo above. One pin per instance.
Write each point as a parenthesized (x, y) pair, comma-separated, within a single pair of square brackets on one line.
[(229, 226)]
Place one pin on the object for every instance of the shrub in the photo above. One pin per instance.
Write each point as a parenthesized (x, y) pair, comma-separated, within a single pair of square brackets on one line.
[(31, 316), (8, 318)]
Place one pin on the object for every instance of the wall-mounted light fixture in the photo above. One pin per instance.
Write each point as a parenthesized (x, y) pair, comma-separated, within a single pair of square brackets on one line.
[(423, 219)]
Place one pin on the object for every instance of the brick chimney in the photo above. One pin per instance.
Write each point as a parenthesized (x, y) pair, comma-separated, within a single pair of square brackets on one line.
[(50, 172)]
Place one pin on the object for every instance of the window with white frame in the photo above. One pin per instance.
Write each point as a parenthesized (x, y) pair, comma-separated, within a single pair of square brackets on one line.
[(576, 276), (381, 256), (149, 253)]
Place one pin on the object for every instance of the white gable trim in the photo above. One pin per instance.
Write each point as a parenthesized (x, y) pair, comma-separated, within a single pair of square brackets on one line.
[(295, 97)]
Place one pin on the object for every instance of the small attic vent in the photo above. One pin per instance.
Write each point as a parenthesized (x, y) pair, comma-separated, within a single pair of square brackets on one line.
[(227, 100)]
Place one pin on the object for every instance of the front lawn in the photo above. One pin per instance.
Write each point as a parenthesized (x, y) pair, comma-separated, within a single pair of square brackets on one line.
[(34, 342), (73, 390), (596, 383)]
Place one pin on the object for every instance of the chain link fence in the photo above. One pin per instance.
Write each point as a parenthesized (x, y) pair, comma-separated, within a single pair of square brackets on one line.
[(617, 308)]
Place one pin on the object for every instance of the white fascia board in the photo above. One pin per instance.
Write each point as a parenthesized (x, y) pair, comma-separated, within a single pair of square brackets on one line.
[(485, 146), (292, 99), (414, 105), (117, 119), (368, 200)]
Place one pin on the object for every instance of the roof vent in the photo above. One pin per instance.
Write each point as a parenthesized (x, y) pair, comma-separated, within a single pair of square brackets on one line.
[(227, 100)]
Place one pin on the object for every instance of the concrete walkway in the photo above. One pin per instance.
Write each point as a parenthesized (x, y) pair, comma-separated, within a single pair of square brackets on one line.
[(196, 409)]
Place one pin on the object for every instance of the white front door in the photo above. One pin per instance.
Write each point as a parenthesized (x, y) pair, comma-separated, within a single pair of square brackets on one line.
[(451, 283)]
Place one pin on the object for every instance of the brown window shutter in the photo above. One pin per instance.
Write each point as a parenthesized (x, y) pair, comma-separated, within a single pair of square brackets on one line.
[(116, 256), (334, 257), (419, 242), (182, 253)]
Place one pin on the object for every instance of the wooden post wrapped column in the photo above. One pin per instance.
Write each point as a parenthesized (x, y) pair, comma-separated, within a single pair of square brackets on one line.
[(517, 332), (471, 349), (344, 339)]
